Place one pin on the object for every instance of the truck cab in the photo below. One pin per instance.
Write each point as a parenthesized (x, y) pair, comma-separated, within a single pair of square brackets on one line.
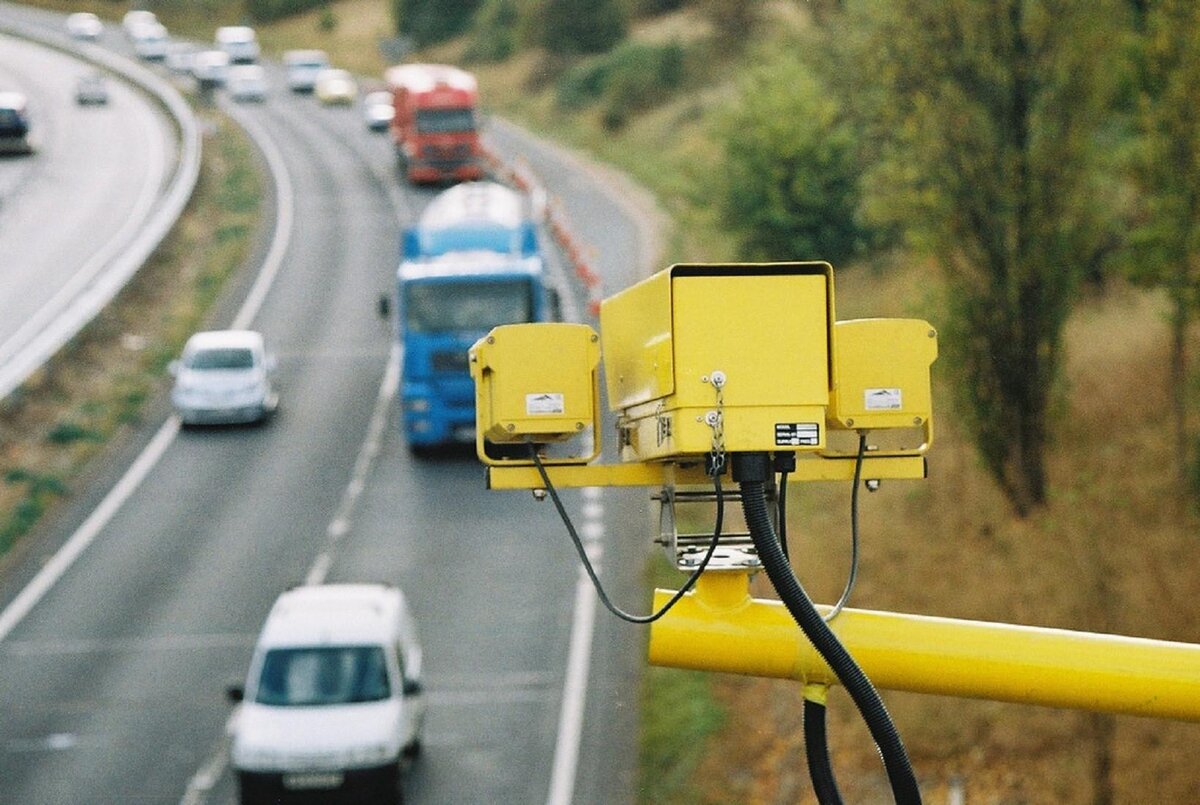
[(473, 262), (435, 127)]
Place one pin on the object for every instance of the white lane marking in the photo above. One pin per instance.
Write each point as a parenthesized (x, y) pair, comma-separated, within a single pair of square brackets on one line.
[(285, 205), (53, 570), (214, 767), (579, 658)]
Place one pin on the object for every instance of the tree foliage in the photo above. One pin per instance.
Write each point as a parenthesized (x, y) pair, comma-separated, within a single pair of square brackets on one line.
[(573, 27), (1167, 240), (788, 185), (431, 21), (986, 114)]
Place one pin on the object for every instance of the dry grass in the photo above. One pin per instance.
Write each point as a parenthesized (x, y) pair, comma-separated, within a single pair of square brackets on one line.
[(1111, 552)]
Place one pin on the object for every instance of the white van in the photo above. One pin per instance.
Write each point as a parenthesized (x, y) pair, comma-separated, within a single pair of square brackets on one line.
[(333, 702)]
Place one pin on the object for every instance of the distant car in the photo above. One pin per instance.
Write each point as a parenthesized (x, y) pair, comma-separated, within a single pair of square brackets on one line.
[(246, 82), (333, 705), (14, 124), (378, 110), (150, 42), (136, 18), (239, 41), (91, 89), (84, 25), (178, 58), (224, 377), (210, 68), (335, 87), (302, 67)]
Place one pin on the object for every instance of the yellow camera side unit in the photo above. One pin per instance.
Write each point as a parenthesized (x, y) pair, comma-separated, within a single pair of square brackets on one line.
[(535, 383)]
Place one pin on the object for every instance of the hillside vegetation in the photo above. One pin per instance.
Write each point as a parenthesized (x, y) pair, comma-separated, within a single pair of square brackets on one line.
[(1108, 549)]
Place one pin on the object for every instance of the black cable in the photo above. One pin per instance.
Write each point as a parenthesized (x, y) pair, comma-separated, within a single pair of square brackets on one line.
[(853, 575), (862, 692), (587, 565), (782, 518), (816, 750)]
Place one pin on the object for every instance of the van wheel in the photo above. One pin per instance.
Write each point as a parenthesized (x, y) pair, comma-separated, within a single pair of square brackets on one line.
[(413, 749)]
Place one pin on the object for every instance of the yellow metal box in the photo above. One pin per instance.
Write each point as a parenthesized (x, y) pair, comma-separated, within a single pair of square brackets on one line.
[(749, 342), (535, 382), (881, 376)]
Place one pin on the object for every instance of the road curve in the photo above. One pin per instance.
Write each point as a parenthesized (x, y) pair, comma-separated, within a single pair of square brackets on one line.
[(80, 216)]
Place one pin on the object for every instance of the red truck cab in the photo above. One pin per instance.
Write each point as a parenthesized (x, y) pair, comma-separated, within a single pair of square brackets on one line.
[(435, 125)]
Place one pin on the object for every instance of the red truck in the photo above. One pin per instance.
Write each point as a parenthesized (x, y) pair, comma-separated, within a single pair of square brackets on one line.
[(434, 126)]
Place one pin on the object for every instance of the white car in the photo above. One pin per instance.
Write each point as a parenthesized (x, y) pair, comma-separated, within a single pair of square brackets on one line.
[(239, 41), (150, 42), (224, 377), (378, 110), (210, 68), (136, 18), (302, 67), (246, 82), (84, 25), (333, 701), (179, 57), (335, 87)]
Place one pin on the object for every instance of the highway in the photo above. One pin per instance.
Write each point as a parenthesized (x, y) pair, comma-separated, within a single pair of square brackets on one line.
[(66, 213), (112, 681)]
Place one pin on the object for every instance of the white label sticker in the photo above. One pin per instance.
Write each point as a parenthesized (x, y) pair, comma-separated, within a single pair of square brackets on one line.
[(544, 403), (882, 400)]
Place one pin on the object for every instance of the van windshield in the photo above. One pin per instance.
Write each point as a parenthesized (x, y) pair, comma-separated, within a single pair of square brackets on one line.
[(326, 675)]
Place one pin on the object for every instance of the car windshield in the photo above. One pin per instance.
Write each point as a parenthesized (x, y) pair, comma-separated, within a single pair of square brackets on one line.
[(445, 121), (222, 358), (442, 305), (328, 675)]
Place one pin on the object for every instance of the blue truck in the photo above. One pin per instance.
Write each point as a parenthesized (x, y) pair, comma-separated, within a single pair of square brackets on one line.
[(471, 263)]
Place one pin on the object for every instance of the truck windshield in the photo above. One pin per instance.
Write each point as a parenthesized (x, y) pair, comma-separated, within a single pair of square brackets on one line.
[(441, 305), (313, 676), (445, 121)]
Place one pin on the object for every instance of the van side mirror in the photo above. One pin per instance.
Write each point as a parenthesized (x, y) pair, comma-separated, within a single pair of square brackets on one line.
[(235, 693), (173, 367), (384, 306), (412, 687), (410, 243)]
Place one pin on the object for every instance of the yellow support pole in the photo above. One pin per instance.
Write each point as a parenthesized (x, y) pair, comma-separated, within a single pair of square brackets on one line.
[(719, 627)]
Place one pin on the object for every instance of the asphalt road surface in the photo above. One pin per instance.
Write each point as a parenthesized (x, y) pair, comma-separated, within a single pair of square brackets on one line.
[(112, 677)]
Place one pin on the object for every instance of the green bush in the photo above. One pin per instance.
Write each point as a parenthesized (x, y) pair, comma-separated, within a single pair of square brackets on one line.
[(573, 27), (633, 77), (493, 34), (430, 21), (270, 10), (71, 432), (790, 174)]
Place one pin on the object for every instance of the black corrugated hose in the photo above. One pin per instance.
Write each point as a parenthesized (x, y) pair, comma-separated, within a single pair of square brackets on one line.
[(751, 470), (816, 750)]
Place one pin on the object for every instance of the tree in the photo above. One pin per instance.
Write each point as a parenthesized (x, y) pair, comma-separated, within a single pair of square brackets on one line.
[(789, 183), (573, 27), (985, 114), (1167, 243), (431, 21)]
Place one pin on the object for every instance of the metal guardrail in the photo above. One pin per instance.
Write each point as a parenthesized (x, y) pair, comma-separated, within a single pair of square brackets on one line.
[(92, 297)]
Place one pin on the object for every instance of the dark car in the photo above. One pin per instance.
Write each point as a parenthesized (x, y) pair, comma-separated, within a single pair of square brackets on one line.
[(91, 88), (14, 124)]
